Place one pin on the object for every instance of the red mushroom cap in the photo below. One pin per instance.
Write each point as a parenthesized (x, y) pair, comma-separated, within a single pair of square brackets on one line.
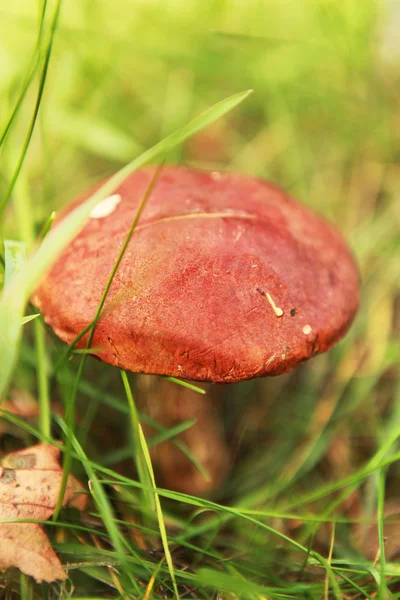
[(225, 278)]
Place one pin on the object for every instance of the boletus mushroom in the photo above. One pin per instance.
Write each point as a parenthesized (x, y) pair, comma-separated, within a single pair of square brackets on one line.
[(225, 278)]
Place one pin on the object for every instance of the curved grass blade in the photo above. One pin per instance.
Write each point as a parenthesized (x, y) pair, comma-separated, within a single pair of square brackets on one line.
[(17, 293), (143, 472), (69, 415), (39, 97), (28, 78), (177, 137), (186, 384), (101, 500), (150, 585)]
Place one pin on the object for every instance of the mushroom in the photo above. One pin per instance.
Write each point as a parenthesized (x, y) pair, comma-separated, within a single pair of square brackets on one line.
[(226, 278)]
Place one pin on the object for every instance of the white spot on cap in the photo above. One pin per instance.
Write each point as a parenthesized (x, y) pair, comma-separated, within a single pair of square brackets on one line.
[(216, 175), (105, 207), (307, 329), (278, 311)]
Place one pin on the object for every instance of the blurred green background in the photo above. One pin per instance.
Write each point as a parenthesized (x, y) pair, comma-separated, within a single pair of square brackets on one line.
[(307, 449)]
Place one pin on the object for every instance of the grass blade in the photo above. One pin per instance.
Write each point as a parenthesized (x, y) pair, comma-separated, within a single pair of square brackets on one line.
[(186, 384), (161, 524), (100, 497), (177, 137), (28, 79), (28, 137), (147, 460), (29, 318), (142, 469), (16, 295), (71, 401)]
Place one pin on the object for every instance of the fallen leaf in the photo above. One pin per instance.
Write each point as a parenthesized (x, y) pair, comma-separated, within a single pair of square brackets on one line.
[(29, 487), (21, 404)]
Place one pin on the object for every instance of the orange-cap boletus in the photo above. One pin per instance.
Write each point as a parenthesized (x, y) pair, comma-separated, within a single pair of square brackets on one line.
[(225, 278)]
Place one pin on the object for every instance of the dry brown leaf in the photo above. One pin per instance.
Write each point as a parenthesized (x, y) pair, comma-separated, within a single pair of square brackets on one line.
[(29, 487), (21, 404)]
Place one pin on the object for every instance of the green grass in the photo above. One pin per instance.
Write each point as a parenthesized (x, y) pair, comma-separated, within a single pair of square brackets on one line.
[(92, 87)]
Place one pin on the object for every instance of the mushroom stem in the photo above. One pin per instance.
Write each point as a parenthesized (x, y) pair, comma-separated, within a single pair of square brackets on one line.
[(170, 404)]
